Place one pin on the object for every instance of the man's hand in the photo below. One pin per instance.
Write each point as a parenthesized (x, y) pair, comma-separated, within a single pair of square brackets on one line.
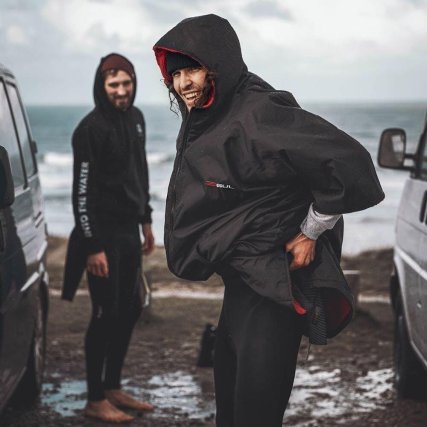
[(97, 264), (303, 250), (148, 245)]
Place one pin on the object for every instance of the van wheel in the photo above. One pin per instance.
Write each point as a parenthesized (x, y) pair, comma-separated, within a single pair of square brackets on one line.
[(410, 376), (30, 385)]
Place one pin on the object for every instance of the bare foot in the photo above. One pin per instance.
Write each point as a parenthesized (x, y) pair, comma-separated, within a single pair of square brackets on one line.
[(103, 410), (125, 400)]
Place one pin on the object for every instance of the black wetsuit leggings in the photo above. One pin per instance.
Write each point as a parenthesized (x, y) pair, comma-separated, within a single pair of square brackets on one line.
[(255, 358), (116, 306)]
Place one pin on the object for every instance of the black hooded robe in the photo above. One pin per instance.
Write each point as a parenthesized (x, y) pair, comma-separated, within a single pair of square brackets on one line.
[(246, 170)]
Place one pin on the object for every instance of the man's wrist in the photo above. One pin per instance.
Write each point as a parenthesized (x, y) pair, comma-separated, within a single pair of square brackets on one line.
[(309, 232), (316, 223)]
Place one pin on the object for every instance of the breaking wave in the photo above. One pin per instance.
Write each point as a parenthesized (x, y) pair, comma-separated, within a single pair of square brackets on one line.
[(159, 158), (66, 159)]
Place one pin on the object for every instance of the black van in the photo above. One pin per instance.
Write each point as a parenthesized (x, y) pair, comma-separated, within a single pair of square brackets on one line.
[(23, 244)]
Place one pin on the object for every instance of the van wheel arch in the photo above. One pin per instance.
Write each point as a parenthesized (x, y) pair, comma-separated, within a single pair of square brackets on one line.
[(30, 384), (410, 376)]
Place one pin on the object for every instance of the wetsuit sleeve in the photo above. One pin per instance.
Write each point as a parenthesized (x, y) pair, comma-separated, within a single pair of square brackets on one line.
[(84, 191), (316, 223), (146, 218)]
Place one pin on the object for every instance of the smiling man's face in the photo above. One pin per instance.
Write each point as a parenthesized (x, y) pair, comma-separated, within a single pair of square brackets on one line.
[(119, 88), (189, 84)]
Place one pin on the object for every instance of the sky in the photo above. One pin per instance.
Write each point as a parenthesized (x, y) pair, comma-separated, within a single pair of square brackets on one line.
[(320, 50)]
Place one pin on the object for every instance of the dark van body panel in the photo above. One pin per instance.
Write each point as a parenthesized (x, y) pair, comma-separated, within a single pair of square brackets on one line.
[(23, 276)]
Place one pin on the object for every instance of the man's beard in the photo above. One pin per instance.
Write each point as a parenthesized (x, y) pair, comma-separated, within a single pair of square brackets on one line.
[(202, 99), (122, 103)]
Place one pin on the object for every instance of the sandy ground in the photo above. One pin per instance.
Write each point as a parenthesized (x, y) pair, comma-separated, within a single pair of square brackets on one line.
[(348, 382)]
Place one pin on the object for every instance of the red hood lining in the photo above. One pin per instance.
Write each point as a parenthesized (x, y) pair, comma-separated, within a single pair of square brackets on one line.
[(161, 52)]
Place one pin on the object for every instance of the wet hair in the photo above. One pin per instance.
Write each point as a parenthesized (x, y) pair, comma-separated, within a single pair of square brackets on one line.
[(175, 99)]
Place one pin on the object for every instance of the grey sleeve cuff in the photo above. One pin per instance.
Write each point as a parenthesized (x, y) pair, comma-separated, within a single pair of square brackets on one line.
[(316, 223)]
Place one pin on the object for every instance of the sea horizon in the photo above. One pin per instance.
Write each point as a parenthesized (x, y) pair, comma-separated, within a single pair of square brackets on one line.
[(300, 100)]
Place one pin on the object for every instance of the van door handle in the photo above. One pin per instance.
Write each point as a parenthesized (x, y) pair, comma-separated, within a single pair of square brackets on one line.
[(423, 208)]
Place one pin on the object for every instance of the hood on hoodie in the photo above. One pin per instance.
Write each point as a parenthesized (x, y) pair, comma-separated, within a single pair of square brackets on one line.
[(211, 41), (99, 94)]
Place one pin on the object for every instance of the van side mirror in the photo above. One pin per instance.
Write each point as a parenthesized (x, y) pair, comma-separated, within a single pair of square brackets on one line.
[(391, 153), (7, 190)]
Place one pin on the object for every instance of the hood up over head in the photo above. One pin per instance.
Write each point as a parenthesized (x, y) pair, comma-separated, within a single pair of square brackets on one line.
[(211, 41), (176, 61), (109, 62)]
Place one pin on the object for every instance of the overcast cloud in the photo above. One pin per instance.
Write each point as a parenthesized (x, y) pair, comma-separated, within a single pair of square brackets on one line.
[(319, 50)]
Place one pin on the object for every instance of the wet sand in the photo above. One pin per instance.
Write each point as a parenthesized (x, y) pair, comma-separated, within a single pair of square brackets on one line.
[(348, 382)]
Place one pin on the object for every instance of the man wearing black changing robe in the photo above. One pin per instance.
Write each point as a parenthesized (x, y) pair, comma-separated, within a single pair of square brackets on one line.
[(256, 194)]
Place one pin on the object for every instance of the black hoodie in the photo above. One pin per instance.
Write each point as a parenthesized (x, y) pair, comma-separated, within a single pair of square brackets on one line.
[(110, 185), (247, 168)]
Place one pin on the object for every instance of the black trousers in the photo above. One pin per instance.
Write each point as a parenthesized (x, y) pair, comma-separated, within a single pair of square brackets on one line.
[(116, 306), (255, 358)]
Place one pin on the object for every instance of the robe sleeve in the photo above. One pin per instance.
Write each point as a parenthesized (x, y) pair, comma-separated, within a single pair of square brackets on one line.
[(336, 168)]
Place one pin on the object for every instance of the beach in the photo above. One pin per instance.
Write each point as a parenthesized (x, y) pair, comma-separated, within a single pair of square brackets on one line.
[(185, 134), (349, 381)]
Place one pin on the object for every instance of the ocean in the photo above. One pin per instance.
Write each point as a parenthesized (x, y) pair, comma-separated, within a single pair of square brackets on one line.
[(373, 228)]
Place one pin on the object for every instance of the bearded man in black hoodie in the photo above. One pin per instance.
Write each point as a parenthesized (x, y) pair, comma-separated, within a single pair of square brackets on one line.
[(110, 201), (256, 195)]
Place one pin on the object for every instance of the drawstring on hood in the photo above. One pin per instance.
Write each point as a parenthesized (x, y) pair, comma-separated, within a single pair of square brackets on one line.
[(111, 61)]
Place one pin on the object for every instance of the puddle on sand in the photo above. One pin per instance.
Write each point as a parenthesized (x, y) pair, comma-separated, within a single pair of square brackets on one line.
[(173, 393), (318, 393), (66, 397), (178, 392)]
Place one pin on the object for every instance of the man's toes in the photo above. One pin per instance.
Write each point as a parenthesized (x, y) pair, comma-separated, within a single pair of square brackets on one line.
[(109, 415), (145, 406), (125, 418)]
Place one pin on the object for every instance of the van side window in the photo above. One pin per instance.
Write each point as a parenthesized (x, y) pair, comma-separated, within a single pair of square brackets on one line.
[(423, 159), (21, 127), (8, 139)]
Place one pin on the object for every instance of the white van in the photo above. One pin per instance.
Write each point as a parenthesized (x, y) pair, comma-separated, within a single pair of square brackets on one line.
[(408, 284), (23, 244)]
